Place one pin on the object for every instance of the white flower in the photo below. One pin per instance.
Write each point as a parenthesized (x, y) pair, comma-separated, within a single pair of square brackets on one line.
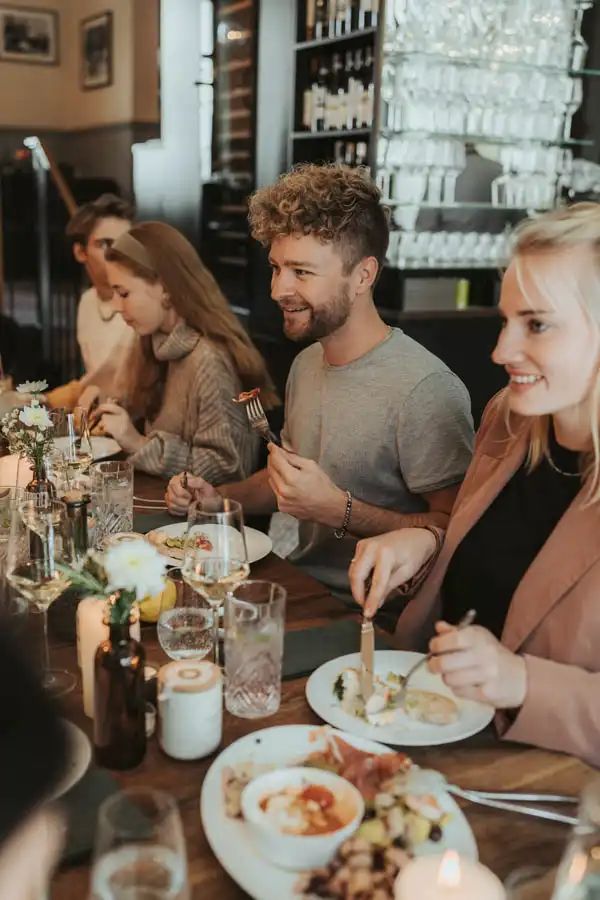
[(32, 387), (35, 417), (135, 566)]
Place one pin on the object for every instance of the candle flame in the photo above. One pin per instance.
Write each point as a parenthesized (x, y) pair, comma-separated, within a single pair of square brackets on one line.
[(577, 869), (449, 871)]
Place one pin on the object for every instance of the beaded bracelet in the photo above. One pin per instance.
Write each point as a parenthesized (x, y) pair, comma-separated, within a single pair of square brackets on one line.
[(341, 532)]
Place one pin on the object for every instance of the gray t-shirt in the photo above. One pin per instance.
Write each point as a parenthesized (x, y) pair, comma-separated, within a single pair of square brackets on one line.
[(392, 425)]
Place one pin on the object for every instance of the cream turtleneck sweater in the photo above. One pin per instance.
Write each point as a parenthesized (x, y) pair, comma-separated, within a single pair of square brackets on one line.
[(198, 428)]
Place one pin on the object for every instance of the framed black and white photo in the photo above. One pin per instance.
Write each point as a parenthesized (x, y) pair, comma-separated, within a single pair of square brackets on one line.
[(97, 51), (28, 35)]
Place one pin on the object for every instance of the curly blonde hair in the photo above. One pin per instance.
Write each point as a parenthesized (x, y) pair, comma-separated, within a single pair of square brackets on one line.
[(337, 204)]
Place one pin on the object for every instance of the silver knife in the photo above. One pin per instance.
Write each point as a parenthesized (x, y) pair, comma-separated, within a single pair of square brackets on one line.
[(367, 651)]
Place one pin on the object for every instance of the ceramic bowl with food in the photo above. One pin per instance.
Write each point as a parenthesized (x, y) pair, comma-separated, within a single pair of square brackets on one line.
[(300, 816)]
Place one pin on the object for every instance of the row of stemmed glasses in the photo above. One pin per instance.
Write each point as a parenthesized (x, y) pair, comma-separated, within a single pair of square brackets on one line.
[(38, 544)]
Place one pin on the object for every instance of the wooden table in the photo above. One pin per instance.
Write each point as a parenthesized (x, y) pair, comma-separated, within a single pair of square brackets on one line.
[(506, 841)]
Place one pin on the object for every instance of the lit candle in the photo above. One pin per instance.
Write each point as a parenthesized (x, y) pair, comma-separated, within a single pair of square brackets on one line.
[(447, 877), (91, 631)]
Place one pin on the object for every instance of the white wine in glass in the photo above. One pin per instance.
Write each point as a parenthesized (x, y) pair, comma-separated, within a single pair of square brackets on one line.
[(215, 558)]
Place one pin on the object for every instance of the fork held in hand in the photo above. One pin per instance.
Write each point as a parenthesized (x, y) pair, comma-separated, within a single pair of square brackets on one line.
[(466, 620), (259, 422)]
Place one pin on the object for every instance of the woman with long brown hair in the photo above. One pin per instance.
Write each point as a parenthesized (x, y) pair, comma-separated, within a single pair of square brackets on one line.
[(193, 357)]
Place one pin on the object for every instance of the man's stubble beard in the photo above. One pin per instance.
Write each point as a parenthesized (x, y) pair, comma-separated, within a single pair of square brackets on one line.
[(327, 319)]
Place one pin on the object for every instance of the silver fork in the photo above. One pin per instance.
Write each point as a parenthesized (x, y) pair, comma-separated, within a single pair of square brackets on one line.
[(259, 422), (466, 620)]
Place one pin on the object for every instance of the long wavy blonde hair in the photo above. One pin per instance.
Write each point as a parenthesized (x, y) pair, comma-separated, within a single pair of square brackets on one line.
[(574, 227), (197, 298)]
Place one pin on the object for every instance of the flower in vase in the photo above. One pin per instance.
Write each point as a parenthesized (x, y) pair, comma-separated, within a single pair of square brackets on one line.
[(35, 417), (136, 567), (32, 387)]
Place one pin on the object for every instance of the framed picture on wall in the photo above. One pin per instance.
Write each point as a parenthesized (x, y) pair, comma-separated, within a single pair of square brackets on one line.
[(96, 51), (28, 35)]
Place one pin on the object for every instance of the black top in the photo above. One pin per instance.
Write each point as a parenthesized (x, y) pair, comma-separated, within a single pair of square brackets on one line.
[(494, 555)]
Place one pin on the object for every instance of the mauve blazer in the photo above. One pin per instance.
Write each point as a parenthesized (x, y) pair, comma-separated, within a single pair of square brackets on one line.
[(554, 615)]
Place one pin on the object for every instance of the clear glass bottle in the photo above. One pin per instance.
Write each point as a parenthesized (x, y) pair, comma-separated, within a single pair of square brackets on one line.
[(578, 876)]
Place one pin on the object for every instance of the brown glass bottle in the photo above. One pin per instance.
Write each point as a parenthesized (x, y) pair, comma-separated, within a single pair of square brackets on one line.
[(39, 484), (119, 702)]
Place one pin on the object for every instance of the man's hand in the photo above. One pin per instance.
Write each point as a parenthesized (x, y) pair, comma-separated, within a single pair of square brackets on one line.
[(117, 422), (303, 489), (389, 560), (477, 666), (178, 498)]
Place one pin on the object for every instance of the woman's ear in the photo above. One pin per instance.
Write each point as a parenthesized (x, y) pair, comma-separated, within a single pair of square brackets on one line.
[(165, 301)]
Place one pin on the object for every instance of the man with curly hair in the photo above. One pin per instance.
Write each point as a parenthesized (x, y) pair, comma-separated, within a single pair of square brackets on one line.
[(380, 428)]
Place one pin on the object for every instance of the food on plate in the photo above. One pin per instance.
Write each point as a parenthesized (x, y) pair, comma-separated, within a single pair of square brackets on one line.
[(174, 546), (244, 396), (306, 810), (397, 820), (383, 708)]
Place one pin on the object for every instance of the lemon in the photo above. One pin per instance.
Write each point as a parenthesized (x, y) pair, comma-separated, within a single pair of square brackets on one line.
[(150, 607)]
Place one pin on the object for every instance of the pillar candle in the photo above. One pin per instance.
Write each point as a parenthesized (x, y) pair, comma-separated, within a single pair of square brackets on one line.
[(91, 631), (447, 877)]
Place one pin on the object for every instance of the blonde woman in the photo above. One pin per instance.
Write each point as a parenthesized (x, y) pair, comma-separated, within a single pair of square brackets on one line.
[(523, 542), (193, 358)]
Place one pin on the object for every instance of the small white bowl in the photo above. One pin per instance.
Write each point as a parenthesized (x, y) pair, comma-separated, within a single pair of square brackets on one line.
[(298, 851)]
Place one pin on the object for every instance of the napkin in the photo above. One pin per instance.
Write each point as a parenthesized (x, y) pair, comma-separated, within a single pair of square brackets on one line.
[(81, 806), (307, 649)]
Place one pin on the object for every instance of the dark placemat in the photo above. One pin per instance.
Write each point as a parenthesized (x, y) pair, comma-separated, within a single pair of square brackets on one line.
[(307, 649), (81, 806), (145, 522)]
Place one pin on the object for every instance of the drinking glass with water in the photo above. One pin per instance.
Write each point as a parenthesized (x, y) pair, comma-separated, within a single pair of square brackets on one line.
[(112, 498), (140, 848), (254, 627), (185, 623)]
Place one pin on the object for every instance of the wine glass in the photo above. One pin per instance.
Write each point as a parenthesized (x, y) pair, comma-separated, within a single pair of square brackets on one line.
[(140, 848), (39, 542), (185, 625), (72, 455), (215, 556), (530, 883)]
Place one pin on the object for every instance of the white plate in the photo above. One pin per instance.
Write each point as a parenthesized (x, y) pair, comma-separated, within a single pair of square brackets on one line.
[(80, 756), (231, 840), (258, 544), (405, 732), (102, 447)]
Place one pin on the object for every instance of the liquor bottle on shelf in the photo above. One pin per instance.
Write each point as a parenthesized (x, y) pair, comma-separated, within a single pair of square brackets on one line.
[(308, 95), (361, 153), (321, 19), (367, 95), (368, 13), (335, 92), (352, 93), (310, 20), (319, 91), (343, 17)]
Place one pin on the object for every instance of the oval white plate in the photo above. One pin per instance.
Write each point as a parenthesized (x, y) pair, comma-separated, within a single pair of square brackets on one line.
[(231, 840), (80, 756), (102, 447), (258, 544), (405, 732)]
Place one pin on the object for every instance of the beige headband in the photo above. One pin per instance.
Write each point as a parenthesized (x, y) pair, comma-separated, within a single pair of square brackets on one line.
[(134, 250)]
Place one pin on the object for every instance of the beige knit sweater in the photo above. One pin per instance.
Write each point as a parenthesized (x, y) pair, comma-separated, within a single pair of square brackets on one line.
[(198, 428)]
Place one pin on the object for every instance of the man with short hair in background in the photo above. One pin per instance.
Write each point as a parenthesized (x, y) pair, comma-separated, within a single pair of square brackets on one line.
[(104, 339), (380, 428)]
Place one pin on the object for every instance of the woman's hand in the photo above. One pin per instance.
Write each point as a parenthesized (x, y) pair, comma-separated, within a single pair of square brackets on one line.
[(478, 667), (389, 560), (116, 421), (178, 498)]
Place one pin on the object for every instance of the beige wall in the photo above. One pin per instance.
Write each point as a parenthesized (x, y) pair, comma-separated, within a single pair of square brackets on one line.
[(35, 96)]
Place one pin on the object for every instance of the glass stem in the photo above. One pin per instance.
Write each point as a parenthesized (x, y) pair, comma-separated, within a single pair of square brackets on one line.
[(216, 612), (47, 676)]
